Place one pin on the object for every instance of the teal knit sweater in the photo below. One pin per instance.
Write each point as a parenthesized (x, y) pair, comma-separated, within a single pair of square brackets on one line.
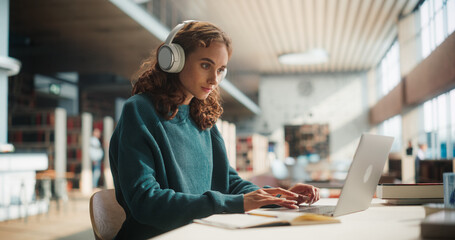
[(169, 172)]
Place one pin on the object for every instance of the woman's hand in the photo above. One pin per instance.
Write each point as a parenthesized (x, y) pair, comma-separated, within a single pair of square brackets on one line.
[(268, 196), (307, 193)]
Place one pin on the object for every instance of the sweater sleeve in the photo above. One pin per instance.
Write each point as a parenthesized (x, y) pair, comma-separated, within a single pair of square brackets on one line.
[(137, 160), (239, 186), (236, 184)]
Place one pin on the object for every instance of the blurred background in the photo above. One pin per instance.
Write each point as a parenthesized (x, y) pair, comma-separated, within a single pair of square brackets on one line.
[(306, 79)]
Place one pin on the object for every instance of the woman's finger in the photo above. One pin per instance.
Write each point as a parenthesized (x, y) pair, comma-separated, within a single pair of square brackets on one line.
[(317, 194), (290, 206), (276, 201), (311, 194), (302, 198), (313, 189), (281, 191)]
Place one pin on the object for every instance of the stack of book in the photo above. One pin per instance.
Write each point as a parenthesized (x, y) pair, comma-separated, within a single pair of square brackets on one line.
[(439, 222), (419, 193)]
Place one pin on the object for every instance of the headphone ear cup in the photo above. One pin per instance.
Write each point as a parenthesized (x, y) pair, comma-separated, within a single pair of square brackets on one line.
[(165, 57), (171, 58), (179, 63)]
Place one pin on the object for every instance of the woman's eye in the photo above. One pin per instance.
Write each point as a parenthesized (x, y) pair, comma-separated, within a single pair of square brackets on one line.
[(205, 65)]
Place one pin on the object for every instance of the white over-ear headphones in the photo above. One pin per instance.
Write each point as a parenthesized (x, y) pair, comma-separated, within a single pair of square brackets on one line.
[(171, 56)]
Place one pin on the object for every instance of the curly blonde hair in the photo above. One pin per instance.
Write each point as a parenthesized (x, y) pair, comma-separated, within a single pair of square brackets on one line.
[(166, 88)]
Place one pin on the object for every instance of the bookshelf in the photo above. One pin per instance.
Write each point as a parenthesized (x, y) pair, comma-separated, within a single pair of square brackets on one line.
[(227, 131), (44, 131), (21, 92), (66, 140), (74, 150), (98, 105), (308, 139), (36, 131), (252, 153)]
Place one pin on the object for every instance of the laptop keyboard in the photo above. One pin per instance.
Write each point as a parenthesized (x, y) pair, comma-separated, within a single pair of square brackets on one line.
[(323, 210), (316, 209)]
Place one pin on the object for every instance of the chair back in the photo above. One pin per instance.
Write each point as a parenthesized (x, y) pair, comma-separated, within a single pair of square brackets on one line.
[(106, 214)]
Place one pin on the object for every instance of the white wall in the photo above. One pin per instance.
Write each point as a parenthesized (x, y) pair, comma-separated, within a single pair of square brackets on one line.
[(341, 100)]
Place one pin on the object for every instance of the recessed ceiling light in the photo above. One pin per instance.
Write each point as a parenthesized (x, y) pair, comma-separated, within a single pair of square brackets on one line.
[(313, 56)]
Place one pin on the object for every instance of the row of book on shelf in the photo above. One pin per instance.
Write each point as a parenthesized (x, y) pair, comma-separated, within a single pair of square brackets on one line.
[(45, 130), (44, 118)]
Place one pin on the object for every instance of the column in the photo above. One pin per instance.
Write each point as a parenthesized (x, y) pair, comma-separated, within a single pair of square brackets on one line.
[(8, 67), (86, 182), (409, 57), (108, 129), (60, 144)]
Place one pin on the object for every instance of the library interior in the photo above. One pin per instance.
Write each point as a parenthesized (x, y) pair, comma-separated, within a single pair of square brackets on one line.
[(306, 79)]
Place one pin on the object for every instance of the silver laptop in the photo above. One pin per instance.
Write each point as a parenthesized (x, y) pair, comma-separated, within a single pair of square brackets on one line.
[(362, 179)]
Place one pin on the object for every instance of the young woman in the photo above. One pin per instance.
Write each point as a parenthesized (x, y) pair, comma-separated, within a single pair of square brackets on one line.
[(167, 157)]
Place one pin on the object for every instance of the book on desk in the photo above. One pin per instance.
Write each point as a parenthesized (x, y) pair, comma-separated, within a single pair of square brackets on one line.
[(260, 218), (419, 193), (439, 225)]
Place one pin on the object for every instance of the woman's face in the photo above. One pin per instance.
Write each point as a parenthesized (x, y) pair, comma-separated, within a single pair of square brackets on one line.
[(203, 71)]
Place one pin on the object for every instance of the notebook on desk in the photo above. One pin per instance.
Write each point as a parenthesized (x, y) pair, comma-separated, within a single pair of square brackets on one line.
[(361, 181)]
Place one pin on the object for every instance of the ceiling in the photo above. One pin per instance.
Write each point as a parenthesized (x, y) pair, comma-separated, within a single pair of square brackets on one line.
[(85, 36), (95, 37)]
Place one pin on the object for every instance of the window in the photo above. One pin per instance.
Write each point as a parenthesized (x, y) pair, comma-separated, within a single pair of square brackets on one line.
[(392, 127), (451, 148), (451, 16), (389, 70), (439, 126), (437, 21), (388, 77)]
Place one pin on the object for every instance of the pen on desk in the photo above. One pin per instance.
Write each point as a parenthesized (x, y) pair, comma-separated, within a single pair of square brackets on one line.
[(261, 215)]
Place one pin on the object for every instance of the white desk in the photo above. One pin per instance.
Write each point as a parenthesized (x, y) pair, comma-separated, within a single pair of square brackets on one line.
[(17, 184), (377, 222)]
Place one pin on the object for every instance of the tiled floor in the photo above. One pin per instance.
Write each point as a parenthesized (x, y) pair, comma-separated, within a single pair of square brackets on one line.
[(70, 222)]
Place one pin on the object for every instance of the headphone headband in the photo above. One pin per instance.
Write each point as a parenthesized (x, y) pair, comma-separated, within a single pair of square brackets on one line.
[(174, 31)]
